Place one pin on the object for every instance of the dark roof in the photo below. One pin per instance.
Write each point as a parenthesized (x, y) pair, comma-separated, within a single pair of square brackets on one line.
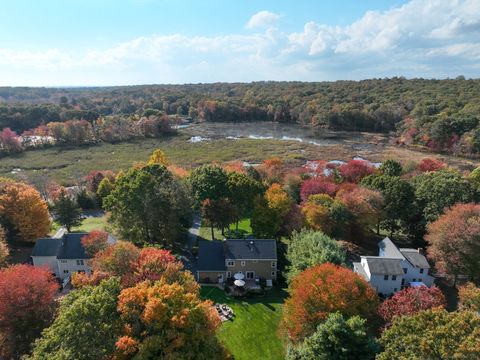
[(69, 246), (389, 248), (72, 247), (384, 266), (211, 256), (251, 249), (46, 247), (415, 258)]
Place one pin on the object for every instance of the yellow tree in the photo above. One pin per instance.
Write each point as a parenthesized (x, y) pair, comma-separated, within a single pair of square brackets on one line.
[(158, 157), (23, 207)]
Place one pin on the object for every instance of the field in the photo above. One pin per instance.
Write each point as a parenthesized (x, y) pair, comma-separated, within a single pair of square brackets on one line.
[(68, 165), (253, 333)]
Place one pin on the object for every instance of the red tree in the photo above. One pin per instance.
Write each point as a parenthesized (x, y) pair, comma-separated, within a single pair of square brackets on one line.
[(410, 301), (429, 164), (26, 307), (356, 170), (94, 178), (9, 141), (317, 185), (94, 242), (321, 290), (454, 241)]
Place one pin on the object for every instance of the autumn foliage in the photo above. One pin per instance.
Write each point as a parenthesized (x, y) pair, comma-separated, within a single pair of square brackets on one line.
[(410, 301), (23, 207), (454, 241), (321, 290), (94, 242), (164, 321), (317, 185), (26, 307), (355, 170), (429, 164)]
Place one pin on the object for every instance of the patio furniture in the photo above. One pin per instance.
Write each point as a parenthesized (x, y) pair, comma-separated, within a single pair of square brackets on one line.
[(239, 276)]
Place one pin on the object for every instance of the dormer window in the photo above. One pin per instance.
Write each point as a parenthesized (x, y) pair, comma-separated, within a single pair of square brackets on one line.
[(230, 263)]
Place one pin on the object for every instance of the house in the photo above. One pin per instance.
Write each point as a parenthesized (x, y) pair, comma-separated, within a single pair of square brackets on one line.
[(219, 260), (63, 254), (394, 269)]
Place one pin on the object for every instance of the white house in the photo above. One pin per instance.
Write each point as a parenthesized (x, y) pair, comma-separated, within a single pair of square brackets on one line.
[(64, 254), (394, 268)]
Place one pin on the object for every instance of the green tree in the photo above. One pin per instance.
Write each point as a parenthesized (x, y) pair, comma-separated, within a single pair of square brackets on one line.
[(149, 204), (265, 221), (209, 182), (308, 248), (86, 327), (104, 189), (432, 334), (337, 339), (243, 190), (218, 214), (67, 211), (399, 196), (441, 189), (391, 168)]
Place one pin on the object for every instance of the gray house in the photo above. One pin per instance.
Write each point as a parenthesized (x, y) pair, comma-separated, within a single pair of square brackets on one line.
[(64, 254), (220, 260)]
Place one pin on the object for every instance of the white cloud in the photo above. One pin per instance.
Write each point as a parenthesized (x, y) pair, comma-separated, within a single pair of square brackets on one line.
[(262, 19), (423, 38)]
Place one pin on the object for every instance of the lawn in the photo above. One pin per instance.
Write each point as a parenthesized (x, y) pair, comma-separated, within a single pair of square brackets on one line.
[(253, 333), (91, 222), (244, 229)]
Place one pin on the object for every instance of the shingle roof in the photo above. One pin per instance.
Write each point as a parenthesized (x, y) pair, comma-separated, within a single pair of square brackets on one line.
[(211, 256), (72, 247), (69, 246), (415, 258), (383, 266), (389, 249), (254, 249), (46, 247)]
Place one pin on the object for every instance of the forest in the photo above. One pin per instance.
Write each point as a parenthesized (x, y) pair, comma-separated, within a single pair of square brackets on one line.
[(441, 115)]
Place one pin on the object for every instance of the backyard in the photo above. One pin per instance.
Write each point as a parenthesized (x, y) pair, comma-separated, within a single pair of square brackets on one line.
[(253, 332), (244, 229)]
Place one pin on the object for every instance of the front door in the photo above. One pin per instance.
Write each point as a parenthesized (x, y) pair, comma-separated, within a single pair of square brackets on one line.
[(250, 274)]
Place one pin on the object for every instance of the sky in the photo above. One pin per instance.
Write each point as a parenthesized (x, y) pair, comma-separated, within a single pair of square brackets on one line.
[(129, 42)]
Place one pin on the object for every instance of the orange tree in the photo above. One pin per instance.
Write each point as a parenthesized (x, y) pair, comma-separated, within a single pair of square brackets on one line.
[(164, 321), (23, 208), (321, 290)]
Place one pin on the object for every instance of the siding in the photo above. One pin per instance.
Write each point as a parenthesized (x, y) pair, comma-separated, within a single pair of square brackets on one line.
[(261, 268), (211, 276), (50, 261)]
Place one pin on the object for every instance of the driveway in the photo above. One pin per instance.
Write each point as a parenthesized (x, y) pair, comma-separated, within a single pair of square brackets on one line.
[(191, 262)]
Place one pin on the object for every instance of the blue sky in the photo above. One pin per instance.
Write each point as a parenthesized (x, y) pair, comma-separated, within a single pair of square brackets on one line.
[(107, 42)]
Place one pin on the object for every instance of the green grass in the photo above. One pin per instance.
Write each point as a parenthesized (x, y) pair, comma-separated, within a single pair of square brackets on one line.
[(66, 165), (88, 224), (253, 333), (244, 229)]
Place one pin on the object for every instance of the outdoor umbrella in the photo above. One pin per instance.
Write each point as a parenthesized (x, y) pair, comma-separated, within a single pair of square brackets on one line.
[(239, 283), (239, 276)]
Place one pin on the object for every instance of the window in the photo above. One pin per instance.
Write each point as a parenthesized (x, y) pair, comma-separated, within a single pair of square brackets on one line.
[(404, 270), (413, 280), (274, 264), (79, 262), (394, 277), (229, 274), (63, 261), (421, 271), (65, 271), (250, 274), (385, 277), (230, 263), (274, 273), (242, 263), (403, 282)]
